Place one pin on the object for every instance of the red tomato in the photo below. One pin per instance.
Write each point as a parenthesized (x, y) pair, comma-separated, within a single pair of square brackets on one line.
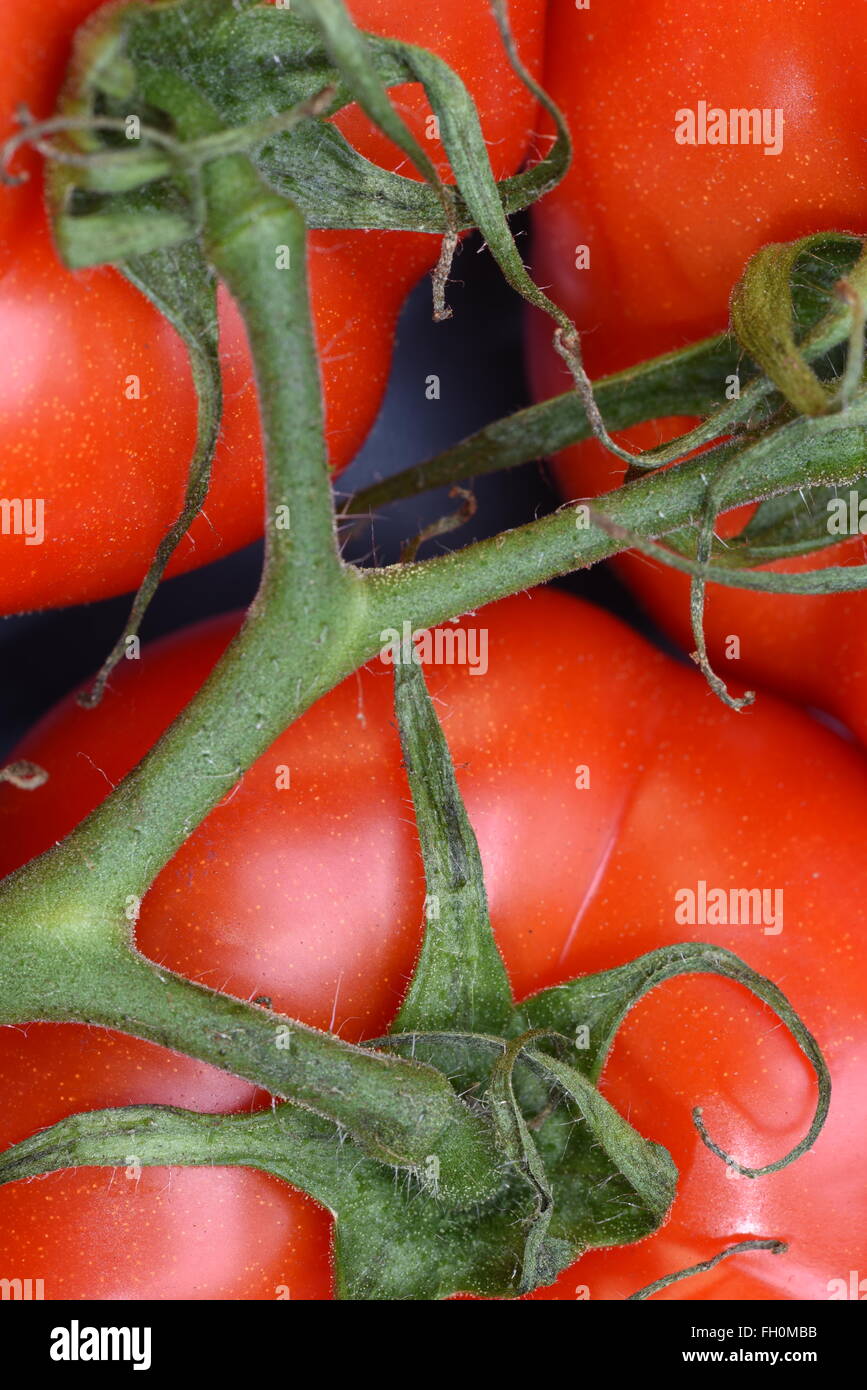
[(111, 471), (669, 229), (150, 1233), (313, 895)]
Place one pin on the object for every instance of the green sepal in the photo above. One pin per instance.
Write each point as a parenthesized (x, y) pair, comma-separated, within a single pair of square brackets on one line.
[(148, 241), (602, 1152), (250, 63), (337, 187), (763, 317), (395, 1236), (394, 1239), (797, 522), (306, 1147), (459, 982), (460, 987), (593, 1007), (183, 287), (541, 1257), (637, 1177), (587, 1177), (96, 230)]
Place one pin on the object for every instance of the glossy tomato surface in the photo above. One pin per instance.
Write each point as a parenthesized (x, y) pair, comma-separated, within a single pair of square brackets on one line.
[(312, 894), (111, 470), (146, 1233), (669, 229)]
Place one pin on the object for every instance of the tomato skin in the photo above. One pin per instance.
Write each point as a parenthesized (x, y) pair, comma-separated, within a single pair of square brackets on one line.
[(155, 1233), (313, 895), (670, 228), (111, 470)]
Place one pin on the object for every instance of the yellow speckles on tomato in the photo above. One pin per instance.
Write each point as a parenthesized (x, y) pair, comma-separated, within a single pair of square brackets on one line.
[(670, 228)]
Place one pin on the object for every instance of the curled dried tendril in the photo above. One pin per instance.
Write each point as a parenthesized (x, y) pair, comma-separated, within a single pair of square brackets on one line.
[(776, 1247), (443, 524), (567, 342), (697, 594)]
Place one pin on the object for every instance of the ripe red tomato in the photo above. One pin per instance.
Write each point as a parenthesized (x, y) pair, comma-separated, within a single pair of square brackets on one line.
[(669, 229), (110, 470), (147, 1233), (313, 896)]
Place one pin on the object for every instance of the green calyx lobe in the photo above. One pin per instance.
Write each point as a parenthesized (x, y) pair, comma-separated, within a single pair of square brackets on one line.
[(764, 318), (543, 1170), (124, 176)]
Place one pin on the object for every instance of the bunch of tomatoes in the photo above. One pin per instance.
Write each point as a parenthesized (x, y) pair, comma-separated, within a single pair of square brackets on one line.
[(601, 776)]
